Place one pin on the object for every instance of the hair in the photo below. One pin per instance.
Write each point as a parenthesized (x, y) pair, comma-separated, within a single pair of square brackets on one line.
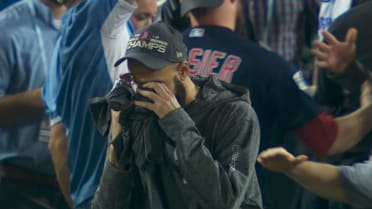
[(199, 13)]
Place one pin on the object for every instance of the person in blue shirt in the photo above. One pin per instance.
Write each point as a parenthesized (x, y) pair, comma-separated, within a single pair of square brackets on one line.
[(30, 30), (83, 68)]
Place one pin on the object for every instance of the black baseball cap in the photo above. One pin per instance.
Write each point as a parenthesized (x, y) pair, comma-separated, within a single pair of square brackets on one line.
[(156, 46), (188, 5)]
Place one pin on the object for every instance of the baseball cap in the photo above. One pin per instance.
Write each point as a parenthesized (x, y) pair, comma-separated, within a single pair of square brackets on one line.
[(188, 5), (156, 46)]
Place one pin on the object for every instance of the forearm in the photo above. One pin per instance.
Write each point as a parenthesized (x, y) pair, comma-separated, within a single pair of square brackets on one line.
[(352, 129), (58, 151), (321, 179), (20, 108), (63, 178)]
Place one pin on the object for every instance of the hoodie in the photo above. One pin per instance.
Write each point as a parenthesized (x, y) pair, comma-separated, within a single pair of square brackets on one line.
[(198, 157)]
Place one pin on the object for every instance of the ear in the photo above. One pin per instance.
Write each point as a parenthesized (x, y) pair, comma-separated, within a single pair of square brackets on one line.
[(184, 70)]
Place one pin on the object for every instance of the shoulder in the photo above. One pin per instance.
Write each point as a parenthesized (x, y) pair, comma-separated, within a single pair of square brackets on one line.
[(14, 16), (237, 110)]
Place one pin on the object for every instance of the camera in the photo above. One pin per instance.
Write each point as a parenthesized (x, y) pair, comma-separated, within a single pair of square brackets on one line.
[(121, 96)]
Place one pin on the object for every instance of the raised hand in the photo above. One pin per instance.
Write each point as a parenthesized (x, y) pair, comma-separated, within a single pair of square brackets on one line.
[(335, 56), (163, 100)]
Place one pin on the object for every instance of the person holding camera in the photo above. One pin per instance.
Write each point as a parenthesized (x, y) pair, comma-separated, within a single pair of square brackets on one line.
[(176, 141)]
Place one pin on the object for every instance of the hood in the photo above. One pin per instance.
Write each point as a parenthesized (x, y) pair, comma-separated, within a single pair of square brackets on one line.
[(214, 92)]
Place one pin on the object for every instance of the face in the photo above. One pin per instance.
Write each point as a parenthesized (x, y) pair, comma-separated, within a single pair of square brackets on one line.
[(168, 75), (144, 14)]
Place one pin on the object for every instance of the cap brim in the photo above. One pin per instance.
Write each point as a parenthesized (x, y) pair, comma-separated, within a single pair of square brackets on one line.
[(150, 61), (188, 5)]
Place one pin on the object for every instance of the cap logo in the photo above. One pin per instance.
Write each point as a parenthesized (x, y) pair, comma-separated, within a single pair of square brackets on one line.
[(147, 40), (145, 35)]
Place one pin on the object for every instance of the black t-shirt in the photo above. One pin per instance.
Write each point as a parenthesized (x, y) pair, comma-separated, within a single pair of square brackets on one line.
[(279, 104)]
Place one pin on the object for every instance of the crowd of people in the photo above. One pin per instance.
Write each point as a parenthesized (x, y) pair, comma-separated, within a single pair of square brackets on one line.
[(194, 104)]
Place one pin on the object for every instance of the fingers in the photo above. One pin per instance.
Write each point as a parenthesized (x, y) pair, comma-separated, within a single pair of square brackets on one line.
[(331, 39), (301, 158), (319, 54), (161, 92), (321, 46), (280, 160), (351, 36), (148, 94), (146, 105), (273, 153), (164, 101), (279, 153), (160, 88)]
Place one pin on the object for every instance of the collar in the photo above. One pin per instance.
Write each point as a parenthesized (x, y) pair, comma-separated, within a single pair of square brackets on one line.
[(42, 11)]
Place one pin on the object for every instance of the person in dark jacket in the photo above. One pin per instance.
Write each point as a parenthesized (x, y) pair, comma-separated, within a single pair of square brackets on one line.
[(192, 146)]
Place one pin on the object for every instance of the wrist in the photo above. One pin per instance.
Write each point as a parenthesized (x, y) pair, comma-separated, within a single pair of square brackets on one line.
[(293, 171), (343, 71), (368, 109)]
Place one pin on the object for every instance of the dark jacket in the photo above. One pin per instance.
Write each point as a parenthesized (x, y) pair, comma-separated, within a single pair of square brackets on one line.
[(201, 157)]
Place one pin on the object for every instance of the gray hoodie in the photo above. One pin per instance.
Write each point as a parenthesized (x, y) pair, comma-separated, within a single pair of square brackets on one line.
[(207, 157)]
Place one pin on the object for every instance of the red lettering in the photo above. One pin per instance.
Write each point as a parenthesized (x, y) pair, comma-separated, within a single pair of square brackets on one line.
[(207, 63), (206, 59), (213, 63), (194, 61), (230, 65)]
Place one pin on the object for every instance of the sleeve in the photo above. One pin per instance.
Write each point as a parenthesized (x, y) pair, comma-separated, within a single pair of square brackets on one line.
[(117, 19), (319, 134), (100, 10), (6, 65), (220, 179), (115, 35), (115, 185), (357, 184)]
